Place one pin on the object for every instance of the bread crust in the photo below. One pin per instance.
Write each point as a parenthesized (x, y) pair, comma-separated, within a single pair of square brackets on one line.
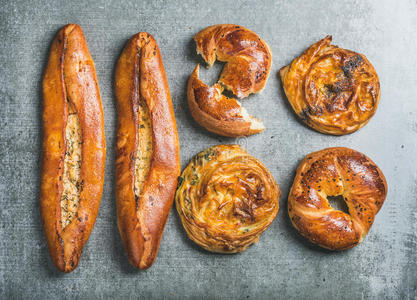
[(140, 80), (336, 172), (248, 58), (216, 112), (70, 74), (248, 62), (333, 90), (226, 199)]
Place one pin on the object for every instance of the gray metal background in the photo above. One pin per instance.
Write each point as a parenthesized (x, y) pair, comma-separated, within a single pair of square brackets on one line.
[(282, 264)]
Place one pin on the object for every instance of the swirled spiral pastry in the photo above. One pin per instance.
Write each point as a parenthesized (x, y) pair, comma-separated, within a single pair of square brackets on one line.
[(334, 172), (226, 198), (333, 90), (248, 62)]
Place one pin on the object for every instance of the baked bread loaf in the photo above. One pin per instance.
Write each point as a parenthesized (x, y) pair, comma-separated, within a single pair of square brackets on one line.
[(226, 198), (333, 90), (248, 62), (334, 172), (74, 148), (147, 162)]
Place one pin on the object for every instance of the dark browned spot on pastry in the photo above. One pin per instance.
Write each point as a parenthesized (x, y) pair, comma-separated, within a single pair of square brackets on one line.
[(304, 114), (339, 93), (351, 64), (244, 210)]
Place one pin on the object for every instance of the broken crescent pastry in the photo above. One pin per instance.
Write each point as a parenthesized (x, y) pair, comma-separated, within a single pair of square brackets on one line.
[(74, 148), (333, 90), (330, 173), (226, 198), (248, 62)]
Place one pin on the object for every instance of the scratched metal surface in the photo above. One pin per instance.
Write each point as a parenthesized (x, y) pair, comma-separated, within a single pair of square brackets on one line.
[(282, 264)]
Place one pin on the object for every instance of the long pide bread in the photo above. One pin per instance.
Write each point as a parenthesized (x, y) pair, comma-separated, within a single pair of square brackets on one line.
[(147, 162), (74, 148)]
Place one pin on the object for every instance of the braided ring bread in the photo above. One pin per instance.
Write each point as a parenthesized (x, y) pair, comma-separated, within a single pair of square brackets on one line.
[(248, 62), (336, 172), (333, 90), (226, 198)]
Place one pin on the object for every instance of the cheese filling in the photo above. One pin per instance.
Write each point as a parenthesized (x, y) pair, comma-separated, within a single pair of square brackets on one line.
[(145, 147), (72, 185)]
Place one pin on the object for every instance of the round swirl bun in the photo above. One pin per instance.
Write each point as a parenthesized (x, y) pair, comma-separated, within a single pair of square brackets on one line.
[(336, 172), (226, 198), (333, 90)]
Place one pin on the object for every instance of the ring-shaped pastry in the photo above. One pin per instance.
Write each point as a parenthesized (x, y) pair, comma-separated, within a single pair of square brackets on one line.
[(226, 198), (333, 90), (335, 172)]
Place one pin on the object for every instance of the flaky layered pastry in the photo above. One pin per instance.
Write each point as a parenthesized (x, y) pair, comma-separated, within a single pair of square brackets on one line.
[(148, 163), (248, 62), (74, 148), (226, 198), (333, 90), (329, 173)]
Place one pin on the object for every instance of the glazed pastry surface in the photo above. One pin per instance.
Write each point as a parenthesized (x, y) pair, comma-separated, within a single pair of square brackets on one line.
[(226, 198), (248, 58), (248, 62), (333, 90), (147, 149), (335, 172), (74, 148)]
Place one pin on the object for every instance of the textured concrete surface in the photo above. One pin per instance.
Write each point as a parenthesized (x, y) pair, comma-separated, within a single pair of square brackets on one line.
[(282, 265)]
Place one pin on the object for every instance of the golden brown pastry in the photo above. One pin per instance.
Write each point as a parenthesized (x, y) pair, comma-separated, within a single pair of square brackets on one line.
[(74, 148), (217, 112), (333, 90), (147, 163), (248, 62), (336, 172), (226, 198)]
